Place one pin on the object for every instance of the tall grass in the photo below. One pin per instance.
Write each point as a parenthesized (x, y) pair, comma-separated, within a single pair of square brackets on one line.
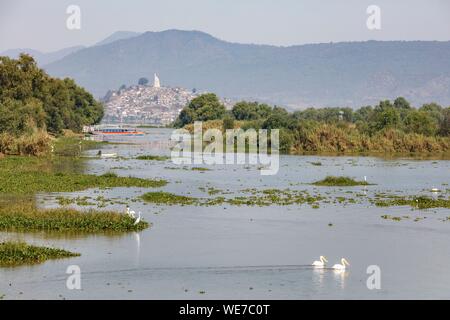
[(35, 143), (26, 217), (347, 139)]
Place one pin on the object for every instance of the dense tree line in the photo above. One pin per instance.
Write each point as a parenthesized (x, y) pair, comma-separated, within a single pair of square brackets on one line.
[(30, 99), (313, 127)]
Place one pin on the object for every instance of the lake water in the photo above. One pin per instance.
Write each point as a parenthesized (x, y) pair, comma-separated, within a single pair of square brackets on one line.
[(241, 252)]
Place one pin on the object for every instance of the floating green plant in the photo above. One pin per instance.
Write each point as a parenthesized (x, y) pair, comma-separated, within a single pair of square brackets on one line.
[(152, 157), (20, 175), (160, 197), (389, 217), (330, 181), (200, 169), (18, 253), (420, 202)]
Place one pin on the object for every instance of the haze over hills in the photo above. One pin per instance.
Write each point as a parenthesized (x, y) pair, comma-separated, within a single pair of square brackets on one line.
[(42, 58), (330, 74)]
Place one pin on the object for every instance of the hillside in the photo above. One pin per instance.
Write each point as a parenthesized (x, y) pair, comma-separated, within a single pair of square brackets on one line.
[(331, 74)]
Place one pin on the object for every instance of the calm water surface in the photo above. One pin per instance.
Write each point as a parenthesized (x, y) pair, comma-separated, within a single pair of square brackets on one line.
[(231, 252)]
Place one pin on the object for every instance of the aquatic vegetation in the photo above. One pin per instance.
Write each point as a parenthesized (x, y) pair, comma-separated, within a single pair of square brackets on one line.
[(109, 175), (152, 157), (330, 181), (393, 218), (420, 202), (79, 201), (266, 197), (29, 175), (25, 216), (213, 191), (200, 169), (161, 197), (19, 253)]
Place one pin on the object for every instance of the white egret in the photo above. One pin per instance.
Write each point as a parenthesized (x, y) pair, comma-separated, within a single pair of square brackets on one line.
[(138, 219), (130, 213), (320, 263), (341, 266)]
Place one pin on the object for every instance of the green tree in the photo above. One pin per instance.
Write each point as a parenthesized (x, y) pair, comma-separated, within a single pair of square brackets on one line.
[(202, 108), (444, 124), (34, 95), (419, 121), (384, 116), (142, 81)]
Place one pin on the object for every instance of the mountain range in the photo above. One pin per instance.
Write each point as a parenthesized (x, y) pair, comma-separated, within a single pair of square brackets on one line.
[(327, 74)]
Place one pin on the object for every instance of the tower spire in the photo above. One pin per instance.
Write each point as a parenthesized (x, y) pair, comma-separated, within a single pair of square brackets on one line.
[(156, 83)]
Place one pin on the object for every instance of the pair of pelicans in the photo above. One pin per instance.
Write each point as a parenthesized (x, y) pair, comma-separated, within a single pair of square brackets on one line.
[(322, 260)]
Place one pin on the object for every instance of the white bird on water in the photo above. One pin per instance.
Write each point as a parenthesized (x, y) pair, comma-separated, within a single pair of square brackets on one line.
[(320, 263), (138, 219), (341, 266)]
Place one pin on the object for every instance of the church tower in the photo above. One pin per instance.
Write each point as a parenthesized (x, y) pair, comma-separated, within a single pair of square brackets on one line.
[(156, 83)]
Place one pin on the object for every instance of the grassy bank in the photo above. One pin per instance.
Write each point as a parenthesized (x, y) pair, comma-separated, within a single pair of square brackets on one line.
[(18, 253), (26, 217)]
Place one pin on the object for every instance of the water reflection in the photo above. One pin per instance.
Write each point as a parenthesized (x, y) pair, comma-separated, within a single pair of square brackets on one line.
[(340, 277)]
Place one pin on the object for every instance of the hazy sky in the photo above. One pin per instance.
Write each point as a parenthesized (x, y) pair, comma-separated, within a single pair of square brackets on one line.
[(42, 24)]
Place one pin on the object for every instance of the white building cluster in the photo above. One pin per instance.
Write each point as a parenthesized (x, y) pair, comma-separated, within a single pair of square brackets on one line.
[(143, 104)]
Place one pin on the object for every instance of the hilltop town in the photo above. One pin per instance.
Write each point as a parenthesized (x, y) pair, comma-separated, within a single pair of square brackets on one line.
[(146, 104)]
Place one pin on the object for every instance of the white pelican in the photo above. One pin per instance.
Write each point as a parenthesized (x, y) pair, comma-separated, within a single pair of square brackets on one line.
[(341, 266), (435, 190), (320, 263), (138, 219)]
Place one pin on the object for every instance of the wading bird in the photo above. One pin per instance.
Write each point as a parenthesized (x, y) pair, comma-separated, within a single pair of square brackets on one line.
[(138, 219), (130, 213)]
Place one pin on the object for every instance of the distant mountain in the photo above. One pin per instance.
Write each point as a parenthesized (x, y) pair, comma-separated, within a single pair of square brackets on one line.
[(337, 74), (119, 35), (42, 58)]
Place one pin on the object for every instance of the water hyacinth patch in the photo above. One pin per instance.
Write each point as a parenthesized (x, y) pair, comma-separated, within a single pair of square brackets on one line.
[(18, 253)]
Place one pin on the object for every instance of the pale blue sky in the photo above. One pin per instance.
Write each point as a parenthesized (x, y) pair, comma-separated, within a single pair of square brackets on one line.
[(41, 24)]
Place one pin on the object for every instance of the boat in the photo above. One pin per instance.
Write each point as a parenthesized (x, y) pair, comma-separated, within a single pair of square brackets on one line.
[(114, 131)]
